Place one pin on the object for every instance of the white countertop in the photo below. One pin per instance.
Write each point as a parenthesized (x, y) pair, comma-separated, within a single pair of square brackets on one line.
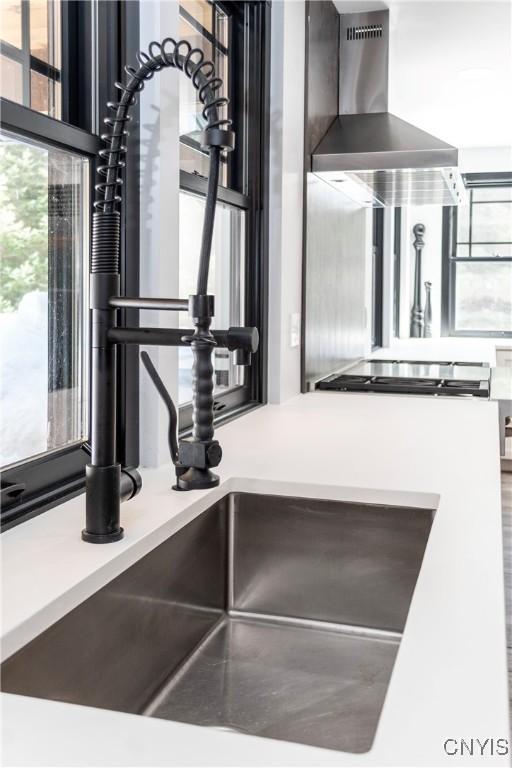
[(450, 677)]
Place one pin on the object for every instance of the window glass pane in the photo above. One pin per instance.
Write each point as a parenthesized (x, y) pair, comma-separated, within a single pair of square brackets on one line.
[(490, 251), (189, 31), (463, 223), (45, 33), (492, 222), (205, 27), (11, 79), (226, 281), (483, 296), (43, 43), (45, 95), (202, 11), (492, 193), (43, 210), (10, 22), (462, 251), (487, 251)]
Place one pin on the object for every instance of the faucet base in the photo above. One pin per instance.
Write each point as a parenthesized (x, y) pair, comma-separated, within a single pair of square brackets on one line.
[(102, 538), (195, 479)]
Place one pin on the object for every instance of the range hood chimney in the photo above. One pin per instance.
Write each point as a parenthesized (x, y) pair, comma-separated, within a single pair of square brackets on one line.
[(368, 153)]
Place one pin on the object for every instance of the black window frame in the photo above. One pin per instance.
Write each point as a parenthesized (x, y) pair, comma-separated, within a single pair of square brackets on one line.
[(377, 278), (53, 477), (450, 258), (397, 257), (249, 41)]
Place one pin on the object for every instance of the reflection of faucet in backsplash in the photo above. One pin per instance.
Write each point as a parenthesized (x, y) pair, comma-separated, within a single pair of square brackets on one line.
[(107, 483)]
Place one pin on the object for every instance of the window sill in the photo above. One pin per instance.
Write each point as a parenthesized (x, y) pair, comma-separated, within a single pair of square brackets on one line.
[(226, 416), (22, 512)]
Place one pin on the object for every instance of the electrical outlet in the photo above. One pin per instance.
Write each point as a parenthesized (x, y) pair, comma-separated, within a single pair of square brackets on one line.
[(294, 330)]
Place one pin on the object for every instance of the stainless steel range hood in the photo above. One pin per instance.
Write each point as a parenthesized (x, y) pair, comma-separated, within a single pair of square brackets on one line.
[(370, 154)]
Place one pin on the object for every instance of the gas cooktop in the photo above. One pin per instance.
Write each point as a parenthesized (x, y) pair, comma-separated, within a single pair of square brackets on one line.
[(406, 385), (420, 369), (409, 377)]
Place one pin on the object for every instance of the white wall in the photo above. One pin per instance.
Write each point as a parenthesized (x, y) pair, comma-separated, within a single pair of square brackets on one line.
[(286, 195), (450, 69), (450, 74), (159, 230), (485, 159)]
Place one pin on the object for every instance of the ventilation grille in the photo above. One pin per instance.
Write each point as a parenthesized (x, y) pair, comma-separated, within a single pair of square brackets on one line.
[(365, 32)]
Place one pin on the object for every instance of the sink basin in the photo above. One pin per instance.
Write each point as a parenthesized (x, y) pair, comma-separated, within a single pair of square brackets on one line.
[(274, 616)]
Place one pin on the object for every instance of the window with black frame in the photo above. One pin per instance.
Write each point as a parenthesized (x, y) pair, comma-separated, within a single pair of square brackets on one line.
[(477, 259), (48, 145), (232, 36), (31, 55)]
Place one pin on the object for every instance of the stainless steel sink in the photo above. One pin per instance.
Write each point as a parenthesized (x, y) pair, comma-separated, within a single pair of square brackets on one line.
[(269, 615)]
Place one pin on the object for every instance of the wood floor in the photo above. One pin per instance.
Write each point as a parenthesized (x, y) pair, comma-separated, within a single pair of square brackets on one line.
[(506, 505)]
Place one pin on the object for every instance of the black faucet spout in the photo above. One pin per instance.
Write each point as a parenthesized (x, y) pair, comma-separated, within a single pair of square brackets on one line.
[(107, 483)]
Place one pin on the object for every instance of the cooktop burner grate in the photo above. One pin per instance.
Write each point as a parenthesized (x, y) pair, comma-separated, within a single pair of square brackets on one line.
[(460, 383), (406, 381), (356, 379)]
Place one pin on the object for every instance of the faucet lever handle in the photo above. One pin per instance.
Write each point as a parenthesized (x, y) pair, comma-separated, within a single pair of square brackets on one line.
[(171, 409)]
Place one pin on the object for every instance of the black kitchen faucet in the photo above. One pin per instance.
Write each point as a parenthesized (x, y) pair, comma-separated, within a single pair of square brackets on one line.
[(107, 483)]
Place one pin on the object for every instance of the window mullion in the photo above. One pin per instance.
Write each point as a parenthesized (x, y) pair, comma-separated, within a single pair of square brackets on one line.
[(191, 182), (43, 68), (26, 122), (470, 222), (25, 45)]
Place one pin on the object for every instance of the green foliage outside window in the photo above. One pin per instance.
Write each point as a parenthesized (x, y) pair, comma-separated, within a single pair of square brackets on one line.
[(23, 222)]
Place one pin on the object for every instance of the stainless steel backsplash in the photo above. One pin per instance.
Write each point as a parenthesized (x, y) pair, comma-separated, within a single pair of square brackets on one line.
[(338, 245)]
